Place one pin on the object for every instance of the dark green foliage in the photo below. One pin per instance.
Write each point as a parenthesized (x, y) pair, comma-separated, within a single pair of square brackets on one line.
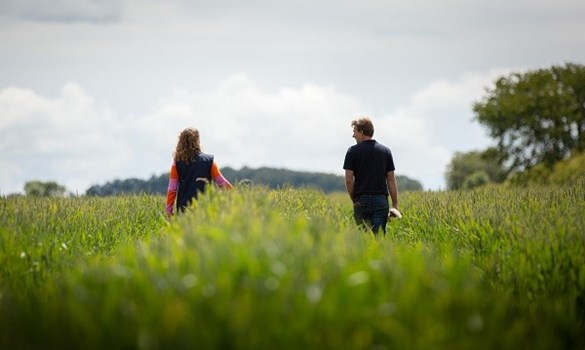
[(565, 172), (406, 184), (154, 185), (277, 178), (269, 177), (473, 169), (44, 189), (537, 116)]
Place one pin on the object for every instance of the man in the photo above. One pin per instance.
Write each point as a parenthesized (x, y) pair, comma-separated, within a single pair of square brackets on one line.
[(369, 177)]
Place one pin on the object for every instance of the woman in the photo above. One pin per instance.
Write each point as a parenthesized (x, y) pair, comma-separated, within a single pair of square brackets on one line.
[(191, 172)]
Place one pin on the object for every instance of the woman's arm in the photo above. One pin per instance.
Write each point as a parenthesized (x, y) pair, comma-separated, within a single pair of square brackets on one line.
[(218, 177), (172, 189)]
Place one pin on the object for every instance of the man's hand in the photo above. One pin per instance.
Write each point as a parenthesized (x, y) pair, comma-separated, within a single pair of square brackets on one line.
[(395, 213)]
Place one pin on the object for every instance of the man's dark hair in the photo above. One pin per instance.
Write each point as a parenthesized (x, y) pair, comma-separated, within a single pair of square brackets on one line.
[(364, 125)]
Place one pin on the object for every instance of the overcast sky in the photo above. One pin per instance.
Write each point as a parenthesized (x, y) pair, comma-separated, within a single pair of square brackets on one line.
[(93, 91)]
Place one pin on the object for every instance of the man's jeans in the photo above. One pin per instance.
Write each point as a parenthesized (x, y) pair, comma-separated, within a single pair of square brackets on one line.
[(372, 211)]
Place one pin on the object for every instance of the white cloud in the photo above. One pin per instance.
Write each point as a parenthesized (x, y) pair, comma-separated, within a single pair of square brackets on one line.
[(442, 103), (70, 139), (244, 125), (77, 141)]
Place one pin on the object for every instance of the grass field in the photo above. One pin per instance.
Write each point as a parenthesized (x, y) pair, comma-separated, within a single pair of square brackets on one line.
[(494, 268)]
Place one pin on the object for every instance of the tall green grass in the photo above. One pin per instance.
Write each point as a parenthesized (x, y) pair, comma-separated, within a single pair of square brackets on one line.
[(43, 237), (254, 268)]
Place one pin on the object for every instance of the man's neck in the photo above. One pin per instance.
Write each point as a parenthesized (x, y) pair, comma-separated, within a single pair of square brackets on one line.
[(364, 138)]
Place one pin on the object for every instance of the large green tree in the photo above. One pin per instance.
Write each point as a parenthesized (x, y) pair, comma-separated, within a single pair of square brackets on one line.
[(537, 116)]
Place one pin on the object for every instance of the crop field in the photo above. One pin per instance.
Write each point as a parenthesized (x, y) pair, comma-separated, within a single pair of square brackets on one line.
[(494, 268)]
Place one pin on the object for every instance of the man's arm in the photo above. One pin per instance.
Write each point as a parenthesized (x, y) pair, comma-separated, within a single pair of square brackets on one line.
[(392, 187), (349, 181)]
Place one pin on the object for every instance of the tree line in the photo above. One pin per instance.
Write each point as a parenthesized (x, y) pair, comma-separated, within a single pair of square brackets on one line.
[(270, 177)]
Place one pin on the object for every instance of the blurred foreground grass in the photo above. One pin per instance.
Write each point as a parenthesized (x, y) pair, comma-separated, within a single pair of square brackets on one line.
[(254, 268)]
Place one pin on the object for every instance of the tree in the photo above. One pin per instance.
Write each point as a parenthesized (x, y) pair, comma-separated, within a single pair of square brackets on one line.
[(537, 116), (44, 189), (472, 169), (479, 178)]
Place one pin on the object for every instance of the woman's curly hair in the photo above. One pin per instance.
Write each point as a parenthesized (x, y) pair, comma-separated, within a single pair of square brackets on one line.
[(188, 145)]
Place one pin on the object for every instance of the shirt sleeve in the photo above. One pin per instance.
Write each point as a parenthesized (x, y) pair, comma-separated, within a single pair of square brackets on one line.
[(390, 163), (348, 161), (218, 177), (172, 189)]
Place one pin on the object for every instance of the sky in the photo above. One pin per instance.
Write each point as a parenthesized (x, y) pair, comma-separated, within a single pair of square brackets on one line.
[(93, 91)]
